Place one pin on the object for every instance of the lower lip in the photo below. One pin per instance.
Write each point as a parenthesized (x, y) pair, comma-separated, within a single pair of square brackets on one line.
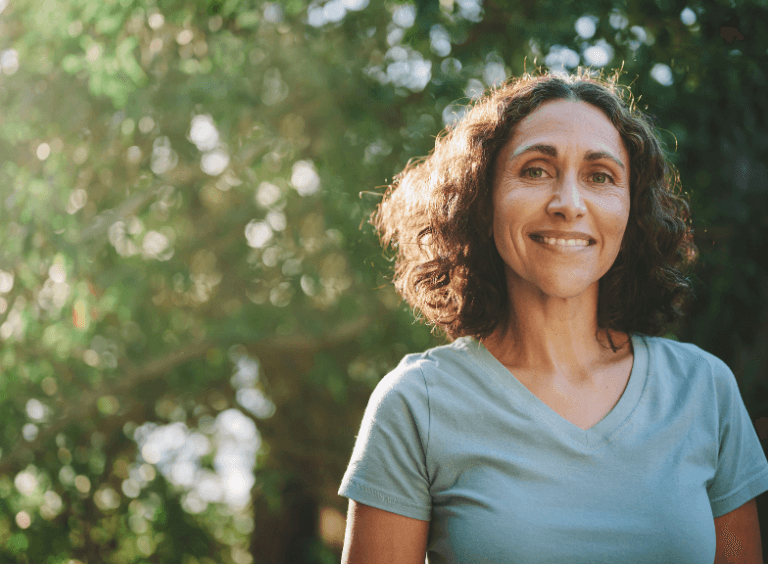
[(561, 248)]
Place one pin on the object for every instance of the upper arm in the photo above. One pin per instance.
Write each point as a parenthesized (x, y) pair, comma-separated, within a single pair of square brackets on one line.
[(738, 536), (375, 536)]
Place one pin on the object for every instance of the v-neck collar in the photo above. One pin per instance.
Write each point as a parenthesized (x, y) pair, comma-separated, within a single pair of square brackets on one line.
[(602, 431)]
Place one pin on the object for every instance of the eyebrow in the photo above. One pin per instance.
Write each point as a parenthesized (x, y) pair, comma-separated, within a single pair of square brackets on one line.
[(551, 151)]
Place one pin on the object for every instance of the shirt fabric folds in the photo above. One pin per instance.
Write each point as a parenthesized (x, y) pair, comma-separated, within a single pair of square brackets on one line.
[(452, 437)]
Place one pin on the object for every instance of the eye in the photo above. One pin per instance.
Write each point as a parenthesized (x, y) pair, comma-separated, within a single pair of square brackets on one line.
[(601, 178), (533, 172)]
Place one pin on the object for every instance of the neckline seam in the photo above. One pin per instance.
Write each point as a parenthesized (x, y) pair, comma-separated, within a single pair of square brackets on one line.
[(556, 422)]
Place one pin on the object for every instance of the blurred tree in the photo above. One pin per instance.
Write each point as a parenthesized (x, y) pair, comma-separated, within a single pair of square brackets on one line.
[(192, 316)]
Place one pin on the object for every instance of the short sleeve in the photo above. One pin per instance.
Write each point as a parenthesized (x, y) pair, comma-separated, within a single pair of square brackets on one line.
[(742, 470), (388, 465)]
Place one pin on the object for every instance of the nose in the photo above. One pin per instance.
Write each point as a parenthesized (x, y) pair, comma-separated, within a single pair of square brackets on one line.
[(567, 201)]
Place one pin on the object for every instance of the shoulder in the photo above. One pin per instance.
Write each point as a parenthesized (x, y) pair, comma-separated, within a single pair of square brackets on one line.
[(684, 354), (448, 359), (419, 374), (691, 362)]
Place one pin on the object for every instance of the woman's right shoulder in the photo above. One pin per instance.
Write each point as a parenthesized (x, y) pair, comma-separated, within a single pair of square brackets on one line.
[(406, 377), (420, 371)]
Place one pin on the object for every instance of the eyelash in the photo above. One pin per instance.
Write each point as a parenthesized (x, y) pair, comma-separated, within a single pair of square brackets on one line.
[(526, 172)]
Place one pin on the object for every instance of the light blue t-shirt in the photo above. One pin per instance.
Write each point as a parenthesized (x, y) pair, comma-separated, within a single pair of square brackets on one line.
[(451, 436)]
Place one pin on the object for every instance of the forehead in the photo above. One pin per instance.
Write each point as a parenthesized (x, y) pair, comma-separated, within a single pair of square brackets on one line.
[(567, 123)]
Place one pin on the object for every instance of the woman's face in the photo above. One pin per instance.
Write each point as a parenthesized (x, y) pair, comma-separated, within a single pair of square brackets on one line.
[(561, 199)]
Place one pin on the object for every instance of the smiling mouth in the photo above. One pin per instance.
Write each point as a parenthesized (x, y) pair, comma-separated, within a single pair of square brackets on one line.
[(556, 242)]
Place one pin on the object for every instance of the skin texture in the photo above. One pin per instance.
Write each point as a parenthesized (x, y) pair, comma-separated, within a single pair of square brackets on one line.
[(375, 536), (738, 536), (564, 169)]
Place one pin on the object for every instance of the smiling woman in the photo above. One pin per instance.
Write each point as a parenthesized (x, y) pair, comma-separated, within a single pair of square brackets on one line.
[(545, 237), (436, 214)]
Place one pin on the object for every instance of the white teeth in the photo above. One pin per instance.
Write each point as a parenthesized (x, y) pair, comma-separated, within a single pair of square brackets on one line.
[(563, 242)]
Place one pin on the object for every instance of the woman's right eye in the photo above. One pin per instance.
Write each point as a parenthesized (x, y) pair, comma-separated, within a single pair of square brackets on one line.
[(533, 172)]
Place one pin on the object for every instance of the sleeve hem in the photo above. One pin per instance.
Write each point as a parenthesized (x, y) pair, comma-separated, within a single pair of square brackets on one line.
[(748, 491), (379, 500)]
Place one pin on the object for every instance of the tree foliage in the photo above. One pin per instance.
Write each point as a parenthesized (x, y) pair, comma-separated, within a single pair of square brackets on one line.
[(194, 309)]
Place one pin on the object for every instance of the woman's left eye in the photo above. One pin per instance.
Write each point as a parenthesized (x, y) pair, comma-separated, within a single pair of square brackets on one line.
[(601, 178)]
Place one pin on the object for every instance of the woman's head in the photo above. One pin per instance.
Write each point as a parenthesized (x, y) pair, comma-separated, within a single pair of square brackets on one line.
[(438, 216), (560, 199)]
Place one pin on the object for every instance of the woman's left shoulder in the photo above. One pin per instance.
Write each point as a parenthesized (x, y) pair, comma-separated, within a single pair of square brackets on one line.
[(688, 358)]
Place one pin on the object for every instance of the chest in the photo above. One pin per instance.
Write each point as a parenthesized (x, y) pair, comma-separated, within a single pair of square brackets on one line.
[(526, 500), (583, 404), (613, 519)]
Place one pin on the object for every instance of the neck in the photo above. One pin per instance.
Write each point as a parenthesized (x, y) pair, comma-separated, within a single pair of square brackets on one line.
[(552, 336)]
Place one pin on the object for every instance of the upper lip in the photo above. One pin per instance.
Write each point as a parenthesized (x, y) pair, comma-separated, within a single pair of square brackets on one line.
[(563, 235)]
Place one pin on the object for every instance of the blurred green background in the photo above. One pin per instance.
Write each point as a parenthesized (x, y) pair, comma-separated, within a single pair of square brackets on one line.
[(193, 308)]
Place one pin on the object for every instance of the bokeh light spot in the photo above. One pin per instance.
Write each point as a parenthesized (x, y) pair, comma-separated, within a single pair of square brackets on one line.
[(598, 55), (203, 132), (29, 432), (304, 178), (93, 53), (662, 74), (43, 151), (267, 194), (618, 20), (586, 26), (213, 163), (688, 16), (273, 13), (184, 37), (83, 484), (25, 482), (494, 74), (36, 410), (146, 124), (133, 155), (258, 234), (404, 15), (332, 525), (9, 61), (439, 41), (156, 21), (23, 520), (6, 281), (355, 4)]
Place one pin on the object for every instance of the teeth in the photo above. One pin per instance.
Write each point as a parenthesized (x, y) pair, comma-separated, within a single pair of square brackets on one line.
[(562, 242)]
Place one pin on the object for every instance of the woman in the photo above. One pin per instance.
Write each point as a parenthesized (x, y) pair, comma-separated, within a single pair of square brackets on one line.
[(544, 236)]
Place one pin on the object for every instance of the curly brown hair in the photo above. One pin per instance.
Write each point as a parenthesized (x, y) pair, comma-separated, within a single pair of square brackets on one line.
[(436, 216)]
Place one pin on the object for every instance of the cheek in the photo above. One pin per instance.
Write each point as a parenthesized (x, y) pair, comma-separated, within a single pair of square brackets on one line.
[(615, 210)]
